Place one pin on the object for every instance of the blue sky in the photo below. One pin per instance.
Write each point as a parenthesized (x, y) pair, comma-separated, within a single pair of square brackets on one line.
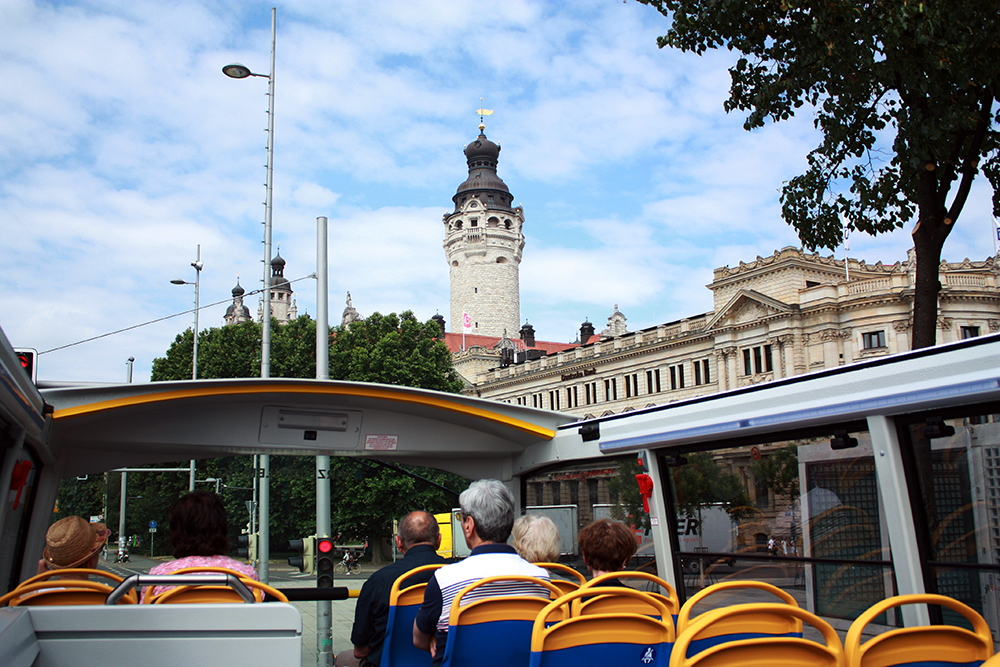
[(123, 147)]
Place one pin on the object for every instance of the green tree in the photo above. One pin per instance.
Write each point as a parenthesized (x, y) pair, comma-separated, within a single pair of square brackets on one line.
[(393, 349), (779, 470), (702, 481), (903, 93)]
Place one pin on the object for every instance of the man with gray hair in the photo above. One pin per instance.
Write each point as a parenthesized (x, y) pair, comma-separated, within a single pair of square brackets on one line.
[(487, 518), (418, 537)]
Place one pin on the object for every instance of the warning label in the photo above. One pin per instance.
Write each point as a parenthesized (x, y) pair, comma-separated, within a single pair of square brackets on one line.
[(378, 443)]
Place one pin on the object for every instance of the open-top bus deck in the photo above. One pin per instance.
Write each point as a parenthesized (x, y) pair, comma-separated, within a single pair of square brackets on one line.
[(844, 486)]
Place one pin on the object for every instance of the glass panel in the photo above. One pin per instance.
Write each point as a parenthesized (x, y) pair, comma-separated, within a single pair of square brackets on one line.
[(797, 514), (958, 467)]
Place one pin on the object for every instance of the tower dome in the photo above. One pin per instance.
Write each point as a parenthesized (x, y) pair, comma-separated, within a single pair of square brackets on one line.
[(483, 183)]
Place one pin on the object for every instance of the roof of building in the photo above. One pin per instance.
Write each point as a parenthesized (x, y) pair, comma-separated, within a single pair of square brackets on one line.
[(454, 341)]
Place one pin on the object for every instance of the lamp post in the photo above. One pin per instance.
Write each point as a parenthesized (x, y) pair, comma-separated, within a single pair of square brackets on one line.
[(198, 265), (238, 71)]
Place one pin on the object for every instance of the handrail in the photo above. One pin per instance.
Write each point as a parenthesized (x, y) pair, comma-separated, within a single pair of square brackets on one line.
[(180, 580)]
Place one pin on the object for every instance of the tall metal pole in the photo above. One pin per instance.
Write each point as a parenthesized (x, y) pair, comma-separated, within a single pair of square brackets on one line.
[(237, 71), (121, 516), (324, 608), (263, 540), (197, 264)]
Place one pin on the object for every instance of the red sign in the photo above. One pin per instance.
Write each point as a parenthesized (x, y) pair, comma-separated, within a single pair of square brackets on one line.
[(755, 453)]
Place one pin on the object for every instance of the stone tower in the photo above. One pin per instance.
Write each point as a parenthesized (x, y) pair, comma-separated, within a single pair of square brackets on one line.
[(237, 313), (483, 243), (283, 306)]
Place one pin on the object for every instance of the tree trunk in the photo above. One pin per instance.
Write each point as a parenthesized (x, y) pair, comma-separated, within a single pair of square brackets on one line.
[(928, 240)]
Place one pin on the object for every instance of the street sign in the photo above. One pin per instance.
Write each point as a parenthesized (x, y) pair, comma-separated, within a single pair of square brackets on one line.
[(152, 525), (152, 530)]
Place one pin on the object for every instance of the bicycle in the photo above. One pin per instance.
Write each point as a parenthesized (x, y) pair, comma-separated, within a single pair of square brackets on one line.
[(348, 564)]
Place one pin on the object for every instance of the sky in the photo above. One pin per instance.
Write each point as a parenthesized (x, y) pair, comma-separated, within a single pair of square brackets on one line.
[(123, 147)]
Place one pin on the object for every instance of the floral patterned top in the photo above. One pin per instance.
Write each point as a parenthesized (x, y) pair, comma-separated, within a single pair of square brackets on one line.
[(198, 561)]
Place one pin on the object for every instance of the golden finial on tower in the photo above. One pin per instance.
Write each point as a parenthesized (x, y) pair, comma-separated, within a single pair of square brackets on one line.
[(483, 112)]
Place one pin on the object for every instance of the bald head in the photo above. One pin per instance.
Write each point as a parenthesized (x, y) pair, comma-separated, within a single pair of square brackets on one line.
[(418, 528)]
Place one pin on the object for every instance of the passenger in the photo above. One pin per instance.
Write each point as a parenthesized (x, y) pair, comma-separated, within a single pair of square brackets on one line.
[(199, 537), (418, 539), (606, 546), (487, 517), (536, 538), (72, 542)]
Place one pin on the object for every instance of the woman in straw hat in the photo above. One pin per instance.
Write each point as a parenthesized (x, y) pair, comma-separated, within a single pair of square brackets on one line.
[(199, 537), (72, 542)]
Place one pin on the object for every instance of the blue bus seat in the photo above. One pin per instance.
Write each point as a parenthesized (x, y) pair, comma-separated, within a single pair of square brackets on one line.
[(759, 651), (938, 645), (602, 639), (404, 602), (746, 626), (494, 631)]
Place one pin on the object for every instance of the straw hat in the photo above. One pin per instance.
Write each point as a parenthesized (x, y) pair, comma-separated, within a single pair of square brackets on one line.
[(71, 542)]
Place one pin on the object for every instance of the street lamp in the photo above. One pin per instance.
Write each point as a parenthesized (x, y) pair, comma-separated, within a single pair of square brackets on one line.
[(198, 265), (238, 71), (209, 481)]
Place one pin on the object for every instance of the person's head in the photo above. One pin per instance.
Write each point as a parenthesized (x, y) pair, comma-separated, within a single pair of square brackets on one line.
[(198, 526), (418, 528), (72, 542), (606, 545), (536, 538), (490, 505)]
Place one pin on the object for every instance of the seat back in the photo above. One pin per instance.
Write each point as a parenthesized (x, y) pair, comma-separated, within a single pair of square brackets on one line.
[(573, 578), (628, 604), (758, 651), (602, 639), (746, 626), (80, 572), (61, 592), (494, 631), (937, 644), (213, 594), (404, 602)]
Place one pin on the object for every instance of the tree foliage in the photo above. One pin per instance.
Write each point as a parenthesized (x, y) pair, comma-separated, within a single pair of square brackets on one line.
[(702, 481), (904, 93), (779, 471), (393, 349)]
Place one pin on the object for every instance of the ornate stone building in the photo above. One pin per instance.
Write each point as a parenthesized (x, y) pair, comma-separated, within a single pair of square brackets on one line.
[(483, 245), (786, 314), (283, 306)]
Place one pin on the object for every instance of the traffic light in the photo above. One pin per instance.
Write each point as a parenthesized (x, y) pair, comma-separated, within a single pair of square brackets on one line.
[(306, 549), (324, 562), (248, 547), (27, 356)]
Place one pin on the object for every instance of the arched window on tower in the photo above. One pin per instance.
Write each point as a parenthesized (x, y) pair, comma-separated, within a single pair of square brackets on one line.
[(506, 223), (493, 222), (501, 260)]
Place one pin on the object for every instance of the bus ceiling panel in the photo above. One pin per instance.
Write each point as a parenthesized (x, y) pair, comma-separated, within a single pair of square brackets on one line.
[(221, 417), (944, 377)]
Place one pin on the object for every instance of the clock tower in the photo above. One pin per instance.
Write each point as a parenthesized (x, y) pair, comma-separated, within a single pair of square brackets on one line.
[(483, 244)]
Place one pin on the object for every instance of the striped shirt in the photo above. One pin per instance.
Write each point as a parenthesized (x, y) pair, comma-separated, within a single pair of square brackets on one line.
[(486, 560)]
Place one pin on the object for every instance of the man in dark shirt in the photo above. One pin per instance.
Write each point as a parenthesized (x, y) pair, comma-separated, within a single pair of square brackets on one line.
[(418, 538)]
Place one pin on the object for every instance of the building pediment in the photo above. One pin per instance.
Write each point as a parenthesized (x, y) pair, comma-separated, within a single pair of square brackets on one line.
[(747, 306)]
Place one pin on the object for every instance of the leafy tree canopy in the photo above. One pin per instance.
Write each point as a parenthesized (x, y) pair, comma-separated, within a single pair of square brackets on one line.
[(903, 91)]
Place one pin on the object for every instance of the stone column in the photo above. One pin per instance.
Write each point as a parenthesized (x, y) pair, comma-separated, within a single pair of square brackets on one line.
[(902, 338)]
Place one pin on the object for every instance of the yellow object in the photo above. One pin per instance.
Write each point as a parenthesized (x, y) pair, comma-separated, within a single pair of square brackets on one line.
[(744, 624), (63, 592), (919, 644), (444, 525), (759, 651)]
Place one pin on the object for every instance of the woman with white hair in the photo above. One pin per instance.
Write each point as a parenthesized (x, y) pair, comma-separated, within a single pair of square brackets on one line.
[(536, 538)]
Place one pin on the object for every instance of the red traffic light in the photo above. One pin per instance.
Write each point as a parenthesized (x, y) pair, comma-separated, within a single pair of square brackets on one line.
[(325, 546)]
